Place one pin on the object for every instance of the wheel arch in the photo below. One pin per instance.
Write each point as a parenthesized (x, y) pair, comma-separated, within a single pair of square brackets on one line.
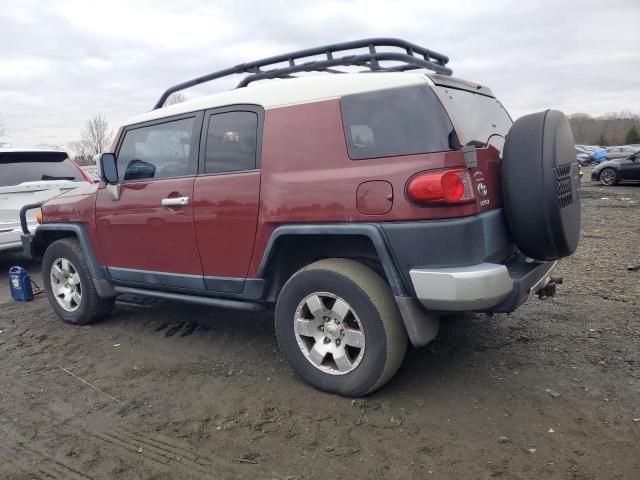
[(48, 233), (291, 247)]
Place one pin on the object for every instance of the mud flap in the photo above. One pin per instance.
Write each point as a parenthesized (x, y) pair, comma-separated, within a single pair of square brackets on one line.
[(422, 327)]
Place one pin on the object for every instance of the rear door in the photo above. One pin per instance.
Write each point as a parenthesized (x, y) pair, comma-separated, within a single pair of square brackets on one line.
[(226, 195), (480, 120), (145, 224)]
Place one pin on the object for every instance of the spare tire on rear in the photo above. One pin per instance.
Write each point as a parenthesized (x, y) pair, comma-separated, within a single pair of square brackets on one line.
[(541, 186)]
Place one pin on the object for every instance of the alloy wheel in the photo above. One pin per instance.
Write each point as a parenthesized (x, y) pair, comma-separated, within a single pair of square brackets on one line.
[(329, 333), (65, 284), (607, 176)]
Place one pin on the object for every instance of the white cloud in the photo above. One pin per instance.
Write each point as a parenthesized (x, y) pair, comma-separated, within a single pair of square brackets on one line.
[(62, 62)]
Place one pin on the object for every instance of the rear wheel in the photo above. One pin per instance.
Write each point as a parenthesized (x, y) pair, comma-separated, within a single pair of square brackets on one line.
[(608, 177), (339, 327), (68, 284)]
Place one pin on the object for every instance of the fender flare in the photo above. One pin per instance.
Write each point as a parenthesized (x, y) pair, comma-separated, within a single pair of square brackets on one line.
[(372, 231), (422, 326), (99, 275)]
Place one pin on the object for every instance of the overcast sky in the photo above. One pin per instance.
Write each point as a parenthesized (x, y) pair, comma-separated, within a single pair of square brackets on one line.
[(62, 62)]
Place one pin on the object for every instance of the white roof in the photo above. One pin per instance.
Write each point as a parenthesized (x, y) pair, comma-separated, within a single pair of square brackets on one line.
[(284, 92)]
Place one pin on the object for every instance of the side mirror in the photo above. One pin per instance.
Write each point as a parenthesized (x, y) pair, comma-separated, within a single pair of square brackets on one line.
[(108, 168)]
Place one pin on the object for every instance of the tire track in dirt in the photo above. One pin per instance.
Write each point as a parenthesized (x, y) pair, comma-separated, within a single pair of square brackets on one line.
[(55, 466), (48, 465), (158, 452), (167, 446)]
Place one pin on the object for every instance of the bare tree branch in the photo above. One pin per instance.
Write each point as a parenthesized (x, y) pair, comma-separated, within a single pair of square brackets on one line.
[(609, 129), (95, 138), (175, 98)]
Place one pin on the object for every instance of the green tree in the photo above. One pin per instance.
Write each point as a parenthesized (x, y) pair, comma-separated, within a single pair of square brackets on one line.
[(602, 141), (633, 136)]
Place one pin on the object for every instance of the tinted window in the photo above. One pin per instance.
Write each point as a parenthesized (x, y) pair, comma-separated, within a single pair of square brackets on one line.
[(21, 167), (158, 151), (479, 116), (231, 142), (399, 121)]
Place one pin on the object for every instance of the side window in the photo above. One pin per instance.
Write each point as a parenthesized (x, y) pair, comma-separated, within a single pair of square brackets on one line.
[(231, 142), (158, 151), (399, 121)]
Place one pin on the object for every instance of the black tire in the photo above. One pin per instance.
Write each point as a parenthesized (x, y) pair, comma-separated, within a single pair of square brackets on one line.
[(91, 306), (610, 177), (370, 298), (541, 186)]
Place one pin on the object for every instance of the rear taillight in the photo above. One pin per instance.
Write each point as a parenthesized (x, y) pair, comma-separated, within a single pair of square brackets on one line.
[(443, 186)]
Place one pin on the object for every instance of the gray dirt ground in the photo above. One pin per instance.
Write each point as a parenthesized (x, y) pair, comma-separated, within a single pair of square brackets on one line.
[(220, 402)]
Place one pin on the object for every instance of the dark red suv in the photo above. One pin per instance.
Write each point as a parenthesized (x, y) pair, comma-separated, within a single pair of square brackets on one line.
[(362, 205)]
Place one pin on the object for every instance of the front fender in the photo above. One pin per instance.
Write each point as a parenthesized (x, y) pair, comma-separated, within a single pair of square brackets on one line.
[(99, 275)]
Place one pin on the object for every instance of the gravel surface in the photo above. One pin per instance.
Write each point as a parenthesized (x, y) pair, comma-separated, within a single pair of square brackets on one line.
[(168, 391)]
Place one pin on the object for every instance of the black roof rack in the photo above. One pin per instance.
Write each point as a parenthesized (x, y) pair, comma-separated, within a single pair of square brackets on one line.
[(414, 57)]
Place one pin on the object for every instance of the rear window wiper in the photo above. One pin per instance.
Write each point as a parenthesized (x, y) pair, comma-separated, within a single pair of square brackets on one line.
[(475, 143), (53, 177)]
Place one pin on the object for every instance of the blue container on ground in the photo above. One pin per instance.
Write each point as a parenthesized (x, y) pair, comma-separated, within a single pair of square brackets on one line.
[(20, 284)]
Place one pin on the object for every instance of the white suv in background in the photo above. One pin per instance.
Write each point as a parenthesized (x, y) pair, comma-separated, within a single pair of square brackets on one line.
[(31, 175)]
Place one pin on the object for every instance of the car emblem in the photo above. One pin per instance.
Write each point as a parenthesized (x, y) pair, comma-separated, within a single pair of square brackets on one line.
[(482, 189)]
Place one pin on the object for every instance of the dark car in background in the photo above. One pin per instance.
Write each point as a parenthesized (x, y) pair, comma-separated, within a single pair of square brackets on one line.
[(612, 172)]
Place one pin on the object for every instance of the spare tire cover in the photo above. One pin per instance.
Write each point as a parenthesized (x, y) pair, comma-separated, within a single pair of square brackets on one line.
[(541, 186)]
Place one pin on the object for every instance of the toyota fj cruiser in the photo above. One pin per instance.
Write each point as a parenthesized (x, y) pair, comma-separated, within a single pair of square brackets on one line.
[(364, 206)]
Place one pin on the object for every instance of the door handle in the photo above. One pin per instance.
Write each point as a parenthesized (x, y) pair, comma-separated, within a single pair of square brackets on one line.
[(175, 202)]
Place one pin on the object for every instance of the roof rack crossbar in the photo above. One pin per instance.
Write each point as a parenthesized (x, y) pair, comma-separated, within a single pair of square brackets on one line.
[(411, 58), (365, 60)]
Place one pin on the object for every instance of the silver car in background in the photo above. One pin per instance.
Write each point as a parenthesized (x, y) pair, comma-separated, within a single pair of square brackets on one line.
[(31, 175)]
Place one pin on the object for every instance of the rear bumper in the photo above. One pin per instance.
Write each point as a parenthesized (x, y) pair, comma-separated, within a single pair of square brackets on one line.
[(487, 287)]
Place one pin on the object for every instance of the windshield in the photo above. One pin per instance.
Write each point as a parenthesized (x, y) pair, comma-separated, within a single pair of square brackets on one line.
[(21, 167), (477, 115)]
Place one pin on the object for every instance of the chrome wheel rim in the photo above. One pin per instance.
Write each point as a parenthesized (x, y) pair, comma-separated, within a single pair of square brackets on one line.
[(65, 284), (329, 333), (607, 176)]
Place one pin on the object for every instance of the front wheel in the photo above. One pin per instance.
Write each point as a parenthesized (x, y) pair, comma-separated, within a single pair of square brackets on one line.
[(339, 327), (608, 177), (68, 284)]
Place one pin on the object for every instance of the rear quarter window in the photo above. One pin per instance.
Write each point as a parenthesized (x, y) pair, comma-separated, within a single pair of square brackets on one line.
[(399, 121), (231, 142)]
